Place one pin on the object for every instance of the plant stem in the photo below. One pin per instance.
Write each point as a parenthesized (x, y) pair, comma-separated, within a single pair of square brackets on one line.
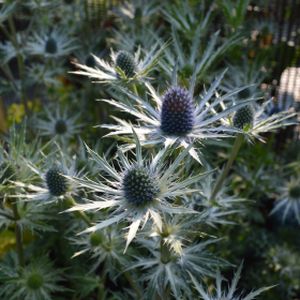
[(165, 258), (135, 89), (234, 152), (71, 203), (18, 234), (133, 285)]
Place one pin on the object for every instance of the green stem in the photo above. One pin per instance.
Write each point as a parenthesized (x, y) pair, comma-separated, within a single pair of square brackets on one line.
[(165, 257), (71, 203), (133, 285), (234, 152), (18, 234)]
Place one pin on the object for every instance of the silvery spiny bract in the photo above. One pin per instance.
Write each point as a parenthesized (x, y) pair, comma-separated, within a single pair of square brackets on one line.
[(177, 118), (167, 272), (228, 293), (217, 210), (141, 190)]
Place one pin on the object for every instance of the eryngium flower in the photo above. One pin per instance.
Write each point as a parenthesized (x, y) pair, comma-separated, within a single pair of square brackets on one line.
[(137, 191), (175, 119), (139, 186), (125, 61), (105, 247), (90, 61), (177, 113), (123, 67), (288, 204), (51, 45), (227, 294), (56, 182), (37, 280), (254, 119), (58, 125), (53, 182), (244, 117), (58, 44), (61, 127)]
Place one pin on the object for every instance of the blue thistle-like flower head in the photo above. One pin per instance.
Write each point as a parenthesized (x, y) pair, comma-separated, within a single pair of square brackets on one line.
[(177, 114), (244, 117), (57, 184), (51, 46), (139, 187), (61, 126), (125, 61)]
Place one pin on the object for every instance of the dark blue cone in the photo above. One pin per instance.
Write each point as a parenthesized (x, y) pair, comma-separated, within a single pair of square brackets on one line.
[(177, 115)]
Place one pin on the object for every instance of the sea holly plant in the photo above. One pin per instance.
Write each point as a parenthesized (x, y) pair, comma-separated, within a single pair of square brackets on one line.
[(178, 117), (123, 67), (136, 216), (142, 190)]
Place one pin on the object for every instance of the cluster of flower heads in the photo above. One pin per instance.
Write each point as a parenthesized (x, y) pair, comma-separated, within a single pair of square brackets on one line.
[(159, 197)]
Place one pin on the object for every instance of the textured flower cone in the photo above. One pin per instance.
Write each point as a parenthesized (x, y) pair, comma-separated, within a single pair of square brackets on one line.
[(51, 46), (126, 63), (96, 239), (177, 115), (35, 281), (243, 117), (90, 61), (61, 127), (56, 182), (139, 187)]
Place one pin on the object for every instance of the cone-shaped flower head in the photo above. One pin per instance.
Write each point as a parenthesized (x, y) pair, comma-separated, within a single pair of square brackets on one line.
[(90, 61), (56, 182), (177, 114), (96, 239), (244, 117), (139, 187), (294, 191), (61, 126), (125, 61), (51, 46), (34, 280)]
